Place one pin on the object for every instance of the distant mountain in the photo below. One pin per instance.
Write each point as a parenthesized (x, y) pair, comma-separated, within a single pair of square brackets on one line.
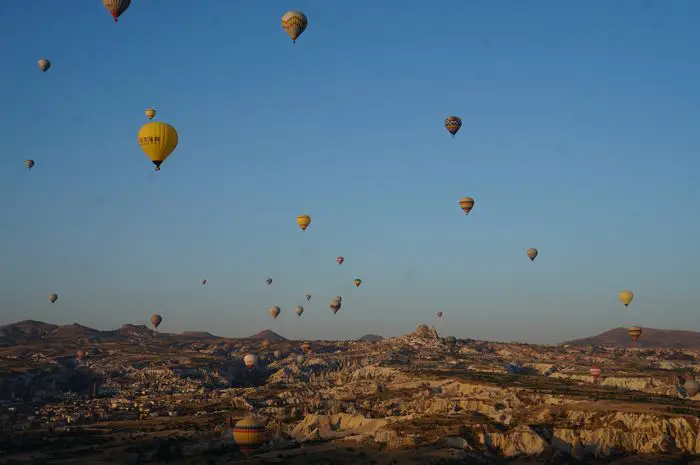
[(267, 334), (370, 337), (74, 330), (200, 334), (26, 328), (670, 338), (138, 331)]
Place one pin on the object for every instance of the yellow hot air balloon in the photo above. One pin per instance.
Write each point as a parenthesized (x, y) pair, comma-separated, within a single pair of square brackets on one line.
[(150, 113), (249, 434), (303, 221), (294, 22), (466, 203), (626, 297), (157, 140)]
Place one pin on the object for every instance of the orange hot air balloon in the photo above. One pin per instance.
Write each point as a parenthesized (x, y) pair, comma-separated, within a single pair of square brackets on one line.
[(156, 320), (266, 344), (466, 203), (303, 221), (532, 254), (306, 346), (249, 434), (595, 372), (635, 332)]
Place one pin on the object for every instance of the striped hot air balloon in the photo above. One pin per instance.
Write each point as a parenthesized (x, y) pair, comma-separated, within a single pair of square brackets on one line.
[(635, 332), (306, 346), (595, 372), (249, 434)]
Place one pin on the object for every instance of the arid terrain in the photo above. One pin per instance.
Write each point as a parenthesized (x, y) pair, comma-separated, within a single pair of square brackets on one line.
[(138, 396)]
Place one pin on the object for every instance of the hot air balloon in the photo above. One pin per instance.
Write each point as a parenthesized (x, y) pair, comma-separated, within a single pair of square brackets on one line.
[(204, 281), (299, 310), (340, 260), (53, 298), (80, 354), (626, 297), (635, 332), (274, 311), (250, 360), (595, 372), (156, 320), (338, 298), (453, 124), (150, 113), (357, 282), (303, 221), (266, 344), (268, 281), (466, 203), (44, 64), (308, 297), (451, 342), (439, 314), (294, 22), (157, 140), (306, 347), (691, 387), (532, 254), (299, 359), (249, 434), (116, 7), (29, 164), (335, 305), (277, 353)]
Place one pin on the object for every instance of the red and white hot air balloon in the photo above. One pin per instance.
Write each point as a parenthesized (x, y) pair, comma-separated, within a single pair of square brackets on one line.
[(340, 260), (595, 372)]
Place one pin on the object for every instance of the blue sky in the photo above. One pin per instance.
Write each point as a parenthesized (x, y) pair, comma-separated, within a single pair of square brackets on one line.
[(580, 138)]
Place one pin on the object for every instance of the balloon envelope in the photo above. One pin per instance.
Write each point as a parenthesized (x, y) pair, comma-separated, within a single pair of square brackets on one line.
[(626, 297), (303, 221), (466, 204), (53, 298), (116, 7), (532, 253), (453, 124), (158, 140), (635, 332), (274, 311), (44, 64), (250, 360), (29, 164), (156, 320), (249, 434), (294, 23)]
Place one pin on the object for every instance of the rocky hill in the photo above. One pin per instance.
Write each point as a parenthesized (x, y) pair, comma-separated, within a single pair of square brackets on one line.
[(670, 338), (370, 337), (203, 334), (267, 334)]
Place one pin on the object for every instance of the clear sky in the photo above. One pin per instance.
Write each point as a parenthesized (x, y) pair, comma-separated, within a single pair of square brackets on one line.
[(580, 137)]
